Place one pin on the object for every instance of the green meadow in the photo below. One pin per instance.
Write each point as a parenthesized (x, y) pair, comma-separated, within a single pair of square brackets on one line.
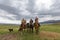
[(46, 32)]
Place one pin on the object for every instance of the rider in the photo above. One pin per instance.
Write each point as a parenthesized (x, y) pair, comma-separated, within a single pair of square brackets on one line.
[(36, 25), (31, 24)]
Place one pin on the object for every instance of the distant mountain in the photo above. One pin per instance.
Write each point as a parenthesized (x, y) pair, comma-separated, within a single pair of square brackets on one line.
[(45, 22), (50, 22)]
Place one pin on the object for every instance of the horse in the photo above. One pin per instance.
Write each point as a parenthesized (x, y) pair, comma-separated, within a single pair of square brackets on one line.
[(31, 25), (28, 27), (23, 25), (36, 25)]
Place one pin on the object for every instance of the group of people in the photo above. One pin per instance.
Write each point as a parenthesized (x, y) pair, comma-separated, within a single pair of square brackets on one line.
[(30, 26)]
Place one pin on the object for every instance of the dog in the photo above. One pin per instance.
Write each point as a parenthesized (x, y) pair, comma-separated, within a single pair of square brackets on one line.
[(10, 30)]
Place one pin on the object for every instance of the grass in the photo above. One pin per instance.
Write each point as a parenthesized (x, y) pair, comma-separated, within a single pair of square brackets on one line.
[(44, 29), (4, 28), (54, 28), (51, 28), (24, 36)]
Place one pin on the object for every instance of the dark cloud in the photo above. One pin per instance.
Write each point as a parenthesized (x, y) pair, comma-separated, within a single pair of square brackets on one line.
[(11, 10), (6, 2), (53, 11), (30, 6), (7, 17)]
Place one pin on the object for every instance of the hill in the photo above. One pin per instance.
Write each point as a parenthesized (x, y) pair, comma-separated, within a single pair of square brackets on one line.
[(50, 22)]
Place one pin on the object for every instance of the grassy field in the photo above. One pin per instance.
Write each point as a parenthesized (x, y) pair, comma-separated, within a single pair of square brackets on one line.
[(47, 32), (50, 32)]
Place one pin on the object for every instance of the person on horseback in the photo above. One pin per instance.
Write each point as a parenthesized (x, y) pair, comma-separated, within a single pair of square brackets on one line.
[(36, 25), (31, 25), (23, 24)]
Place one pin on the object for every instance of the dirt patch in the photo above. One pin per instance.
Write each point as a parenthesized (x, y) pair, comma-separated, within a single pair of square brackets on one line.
[(44, 34), (8, 37)]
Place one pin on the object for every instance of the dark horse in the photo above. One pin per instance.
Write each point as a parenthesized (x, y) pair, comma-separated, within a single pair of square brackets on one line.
[(30, 25)]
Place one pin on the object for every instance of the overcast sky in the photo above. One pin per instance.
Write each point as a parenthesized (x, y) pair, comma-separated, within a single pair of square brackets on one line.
[(12, 11)]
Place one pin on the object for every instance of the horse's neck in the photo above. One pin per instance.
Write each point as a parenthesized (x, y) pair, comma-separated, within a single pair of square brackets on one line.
[(36, 23), (22, 24)]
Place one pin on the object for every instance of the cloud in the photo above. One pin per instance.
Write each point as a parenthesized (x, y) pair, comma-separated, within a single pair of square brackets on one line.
[(5, 14), (46, 18), (7, 21), (18, 9), (43, 4)]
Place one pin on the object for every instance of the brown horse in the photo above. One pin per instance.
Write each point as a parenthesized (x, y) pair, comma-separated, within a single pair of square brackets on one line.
[(23, 25), (36, 25)]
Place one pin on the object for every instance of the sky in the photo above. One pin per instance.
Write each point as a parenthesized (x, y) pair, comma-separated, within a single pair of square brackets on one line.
[(12, 11)]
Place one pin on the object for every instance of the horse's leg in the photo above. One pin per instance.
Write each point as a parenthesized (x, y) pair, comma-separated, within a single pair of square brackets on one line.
[(32, 29), (24, 29), (37, 30), (27, 29)]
